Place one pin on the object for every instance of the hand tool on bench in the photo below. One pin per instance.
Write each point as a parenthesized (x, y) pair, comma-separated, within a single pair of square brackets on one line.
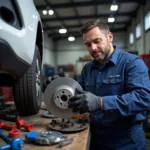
[(45, 138), (14, 144)]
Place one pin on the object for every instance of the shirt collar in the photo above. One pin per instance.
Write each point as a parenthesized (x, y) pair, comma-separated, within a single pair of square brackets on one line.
[(113, 58)]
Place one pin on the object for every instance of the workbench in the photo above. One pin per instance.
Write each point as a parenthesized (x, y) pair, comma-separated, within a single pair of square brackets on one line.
[(80, 139)]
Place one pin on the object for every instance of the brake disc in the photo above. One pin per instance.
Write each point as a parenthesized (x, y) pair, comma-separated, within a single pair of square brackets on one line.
[(57, 96)]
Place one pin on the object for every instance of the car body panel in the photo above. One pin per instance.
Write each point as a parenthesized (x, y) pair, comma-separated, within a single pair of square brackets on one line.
[(22, 41)]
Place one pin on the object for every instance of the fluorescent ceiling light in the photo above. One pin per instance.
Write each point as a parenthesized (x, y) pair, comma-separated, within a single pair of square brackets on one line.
[(71, 38), (62, 31), (44, 12), (114, 7), (50, 12), (111, 19)]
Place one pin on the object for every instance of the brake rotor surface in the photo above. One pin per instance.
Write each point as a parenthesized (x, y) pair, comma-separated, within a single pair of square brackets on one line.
[(57, 96)]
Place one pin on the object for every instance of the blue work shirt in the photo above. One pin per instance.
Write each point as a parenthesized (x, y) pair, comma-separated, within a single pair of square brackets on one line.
[(123, 83)]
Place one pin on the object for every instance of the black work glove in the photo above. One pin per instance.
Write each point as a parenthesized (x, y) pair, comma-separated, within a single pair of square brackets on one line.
[(84, 102), (48, 81)]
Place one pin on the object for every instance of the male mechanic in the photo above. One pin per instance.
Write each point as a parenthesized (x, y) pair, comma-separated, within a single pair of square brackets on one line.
[(116, 92)]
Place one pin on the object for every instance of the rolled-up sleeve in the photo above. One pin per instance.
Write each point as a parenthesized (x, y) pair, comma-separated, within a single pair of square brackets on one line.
[(137, 97)]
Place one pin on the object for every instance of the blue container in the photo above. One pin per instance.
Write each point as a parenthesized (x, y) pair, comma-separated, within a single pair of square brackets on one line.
[(50, 72)]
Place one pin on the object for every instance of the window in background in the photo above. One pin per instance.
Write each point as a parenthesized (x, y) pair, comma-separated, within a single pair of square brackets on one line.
[(147, 21), (131, 38), (138, 30)]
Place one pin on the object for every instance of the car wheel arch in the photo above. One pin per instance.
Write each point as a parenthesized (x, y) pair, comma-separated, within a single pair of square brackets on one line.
[(40, 39)]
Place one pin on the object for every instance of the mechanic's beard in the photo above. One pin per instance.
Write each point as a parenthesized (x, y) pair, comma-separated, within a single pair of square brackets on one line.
[(107, 54), (104, 55)]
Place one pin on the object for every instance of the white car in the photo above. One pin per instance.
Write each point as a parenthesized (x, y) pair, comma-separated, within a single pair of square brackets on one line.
[(21, 49)]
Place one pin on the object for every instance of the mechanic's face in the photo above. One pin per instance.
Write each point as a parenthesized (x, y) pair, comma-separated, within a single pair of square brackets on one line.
[(99, 44)]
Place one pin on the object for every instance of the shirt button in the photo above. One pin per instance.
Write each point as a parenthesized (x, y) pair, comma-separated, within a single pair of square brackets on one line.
[(99, 72), (97, 84)]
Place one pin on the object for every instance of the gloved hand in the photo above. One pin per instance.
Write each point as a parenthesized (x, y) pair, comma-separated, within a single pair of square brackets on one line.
[(84, 102), (48, 81)]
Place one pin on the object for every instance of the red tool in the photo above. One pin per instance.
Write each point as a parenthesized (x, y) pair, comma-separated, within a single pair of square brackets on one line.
[(5, 126), (20, 123), (14, 134)]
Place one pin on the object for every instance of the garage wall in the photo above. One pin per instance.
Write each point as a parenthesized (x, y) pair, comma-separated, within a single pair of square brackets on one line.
[(49, 55), (147, 42), (142, 44), (69, 52), (129, 30), (147, 34), (120, 40)]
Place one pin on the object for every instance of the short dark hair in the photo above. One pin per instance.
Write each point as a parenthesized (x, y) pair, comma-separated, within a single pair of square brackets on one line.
[(94, 23)]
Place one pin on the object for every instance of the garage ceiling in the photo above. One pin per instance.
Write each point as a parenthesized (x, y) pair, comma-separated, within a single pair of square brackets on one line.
[(72, 14)]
